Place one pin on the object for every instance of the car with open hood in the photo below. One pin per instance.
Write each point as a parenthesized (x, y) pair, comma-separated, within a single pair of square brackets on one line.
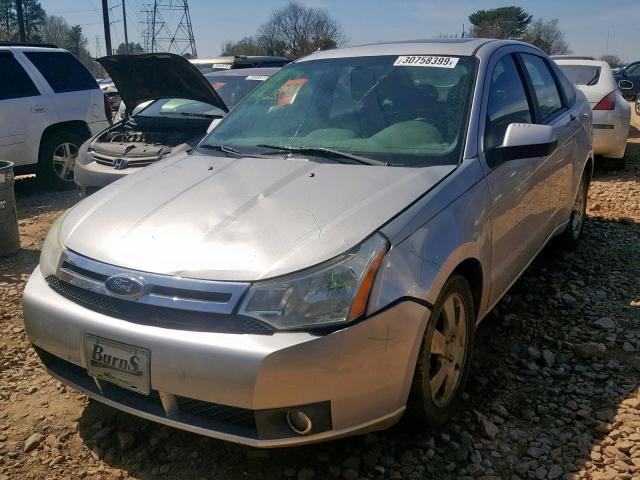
[(318, 265), (169, 106)]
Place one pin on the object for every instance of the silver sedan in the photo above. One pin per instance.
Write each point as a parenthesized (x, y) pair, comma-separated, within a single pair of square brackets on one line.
[(317, 267)]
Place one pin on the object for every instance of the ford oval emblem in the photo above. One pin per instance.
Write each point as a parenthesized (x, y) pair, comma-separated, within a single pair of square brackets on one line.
[(125, 286)]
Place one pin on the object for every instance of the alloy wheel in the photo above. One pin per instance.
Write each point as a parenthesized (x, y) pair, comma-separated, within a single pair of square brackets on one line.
[(64, 158), (447, 352)]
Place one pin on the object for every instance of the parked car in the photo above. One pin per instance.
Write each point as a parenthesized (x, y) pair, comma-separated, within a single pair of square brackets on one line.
[(209, 65), (637, 103), (611, 112), (318, 266), (173, 106), (50, 104), (628, 79)]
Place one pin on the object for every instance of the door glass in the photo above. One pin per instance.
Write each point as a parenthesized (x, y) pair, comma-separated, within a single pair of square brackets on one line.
[(62, 71), (544, 85), (507, 103), (14, 81), (633, 69)]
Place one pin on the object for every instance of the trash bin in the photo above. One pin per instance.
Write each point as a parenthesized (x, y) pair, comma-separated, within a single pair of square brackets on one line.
[(9, 235)]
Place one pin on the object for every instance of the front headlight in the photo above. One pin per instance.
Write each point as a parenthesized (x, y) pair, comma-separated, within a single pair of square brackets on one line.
[(52, 249), (332, 293)]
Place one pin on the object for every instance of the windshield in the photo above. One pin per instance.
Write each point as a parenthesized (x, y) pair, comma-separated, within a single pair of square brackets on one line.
[(177, 107), (581, 74), (232, 88), (404, 111)]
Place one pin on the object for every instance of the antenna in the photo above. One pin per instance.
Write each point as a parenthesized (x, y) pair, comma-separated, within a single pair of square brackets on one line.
[(160, 35)]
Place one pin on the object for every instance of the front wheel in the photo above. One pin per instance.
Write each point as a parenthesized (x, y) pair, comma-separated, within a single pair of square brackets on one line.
[(445, 356)]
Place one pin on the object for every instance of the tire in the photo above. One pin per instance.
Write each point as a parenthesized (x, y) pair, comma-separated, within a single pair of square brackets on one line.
[(570, 237), (433, 402), (612, 163), (58, 152)]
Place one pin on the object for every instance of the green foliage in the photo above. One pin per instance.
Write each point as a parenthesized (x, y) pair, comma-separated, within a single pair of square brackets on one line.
[(503, 22), (34, 18)]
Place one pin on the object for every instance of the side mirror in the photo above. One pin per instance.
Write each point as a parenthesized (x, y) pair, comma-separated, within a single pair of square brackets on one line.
[(525, 140)]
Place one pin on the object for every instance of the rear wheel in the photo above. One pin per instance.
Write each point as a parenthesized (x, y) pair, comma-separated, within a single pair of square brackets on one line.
[(444, 359), (573, 232), (57, 158)]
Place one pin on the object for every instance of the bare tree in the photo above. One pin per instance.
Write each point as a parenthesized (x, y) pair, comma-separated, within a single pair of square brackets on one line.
[(547, 36), (614, 61), (246, 46), (296, 30)]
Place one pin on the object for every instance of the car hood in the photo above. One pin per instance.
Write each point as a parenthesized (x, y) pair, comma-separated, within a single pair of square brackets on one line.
[(150, 76), (239, 219)]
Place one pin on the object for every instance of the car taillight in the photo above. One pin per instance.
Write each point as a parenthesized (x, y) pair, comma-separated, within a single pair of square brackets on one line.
[(607, 103), (107, 107)]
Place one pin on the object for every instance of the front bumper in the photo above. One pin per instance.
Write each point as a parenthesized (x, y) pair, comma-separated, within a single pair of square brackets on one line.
[(362, 372), (92, 176)]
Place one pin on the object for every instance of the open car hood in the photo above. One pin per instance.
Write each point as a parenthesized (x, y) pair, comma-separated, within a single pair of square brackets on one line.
[(158, 75)]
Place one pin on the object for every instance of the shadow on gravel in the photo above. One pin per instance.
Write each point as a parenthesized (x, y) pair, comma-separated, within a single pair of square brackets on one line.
[(554, 362)]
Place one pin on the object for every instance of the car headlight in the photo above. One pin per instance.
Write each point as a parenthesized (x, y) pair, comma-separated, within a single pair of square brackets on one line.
[(85, 156), (52, 249), (333, 293)]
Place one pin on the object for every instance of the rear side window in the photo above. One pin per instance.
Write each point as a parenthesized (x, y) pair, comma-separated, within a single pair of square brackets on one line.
[(544, 86), (14, 81), (507, 102), (62, 71)]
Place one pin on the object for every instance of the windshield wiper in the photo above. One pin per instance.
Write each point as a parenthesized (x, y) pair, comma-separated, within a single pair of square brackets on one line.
[(230, 150), (326, 152), (187, 114)]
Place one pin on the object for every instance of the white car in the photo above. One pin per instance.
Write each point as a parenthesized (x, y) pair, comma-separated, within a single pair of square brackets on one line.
[(49, 105), (611, 112)]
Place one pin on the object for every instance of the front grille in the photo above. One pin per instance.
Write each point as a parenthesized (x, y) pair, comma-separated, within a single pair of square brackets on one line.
[(216, 412), (108, 160), (153, 315)]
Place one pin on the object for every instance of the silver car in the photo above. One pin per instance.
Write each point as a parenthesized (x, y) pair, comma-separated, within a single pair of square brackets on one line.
[(317, 267)]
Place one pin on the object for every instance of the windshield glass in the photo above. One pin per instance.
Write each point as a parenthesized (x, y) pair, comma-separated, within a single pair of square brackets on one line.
[(233, 88), (581, 74), (178, 107), (409, 114)]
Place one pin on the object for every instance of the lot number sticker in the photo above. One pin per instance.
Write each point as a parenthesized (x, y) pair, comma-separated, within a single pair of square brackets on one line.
[(426, 61)]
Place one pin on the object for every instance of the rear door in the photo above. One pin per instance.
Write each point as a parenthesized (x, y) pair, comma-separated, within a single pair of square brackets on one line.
[(519, 188), (77, 96), (554, 108), (23, 112)]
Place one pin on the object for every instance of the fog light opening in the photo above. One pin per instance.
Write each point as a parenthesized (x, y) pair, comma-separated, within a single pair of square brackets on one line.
[(299, 422)]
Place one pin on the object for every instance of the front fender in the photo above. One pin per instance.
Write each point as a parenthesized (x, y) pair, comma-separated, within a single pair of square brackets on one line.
[(421, 262)]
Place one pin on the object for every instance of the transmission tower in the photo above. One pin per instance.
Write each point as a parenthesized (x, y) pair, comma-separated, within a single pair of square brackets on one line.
[(162, 33)]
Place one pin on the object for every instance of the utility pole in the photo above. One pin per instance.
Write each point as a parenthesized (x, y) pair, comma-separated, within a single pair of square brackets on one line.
[(107, 26), (126, 37), (20, 15)]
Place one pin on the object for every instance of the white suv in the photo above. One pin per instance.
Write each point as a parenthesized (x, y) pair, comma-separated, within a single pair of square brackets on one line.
[(49, 105)]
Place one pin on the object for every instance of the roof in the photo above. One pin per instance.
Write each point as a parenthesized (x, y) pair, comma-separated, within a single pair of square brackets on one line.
[(243, 72), (462, 47), (26, 44)]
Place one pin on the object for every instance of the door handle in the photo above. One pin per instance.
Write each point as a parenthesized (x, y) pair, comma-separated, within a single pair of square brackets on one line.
[(38, 109)]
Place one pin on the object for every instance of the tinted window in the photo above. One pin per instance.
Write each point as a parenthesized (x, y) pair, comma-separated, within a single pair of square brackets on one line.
[(581, 74), (544, 86), (507, 102), (404, 114), (62, 71), (14, 81), (633, 69)]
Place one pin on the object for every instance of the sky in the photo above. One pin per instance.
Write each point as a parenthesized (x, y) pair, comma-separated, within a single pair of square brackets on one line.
[(588, 25)]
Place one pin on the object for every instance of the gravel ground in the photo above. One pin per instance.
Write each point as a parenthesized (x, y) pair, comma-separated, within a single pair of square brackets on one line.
[(553, 391)]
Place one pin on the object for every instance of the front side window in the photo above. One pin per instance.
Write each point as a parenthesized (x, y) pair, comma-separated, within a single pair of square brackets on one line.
[(544, 86), (633, 69), (62, 71), (403, 115), (14, 81), (507, 102)]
